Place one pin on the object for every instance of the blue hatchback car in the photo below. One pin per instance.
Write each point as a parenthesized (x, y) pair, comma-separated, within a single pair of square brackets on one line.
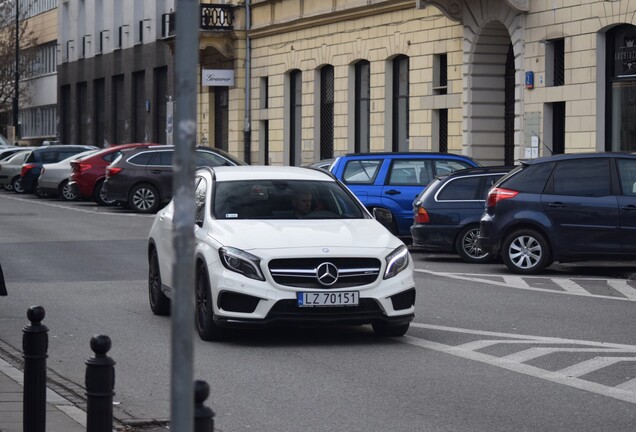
[(570, 207), (393, 180)]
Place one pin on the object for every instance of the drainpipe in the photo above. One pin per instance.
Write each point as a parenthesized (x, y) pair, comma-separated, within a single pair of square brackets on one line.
[(247, 130)]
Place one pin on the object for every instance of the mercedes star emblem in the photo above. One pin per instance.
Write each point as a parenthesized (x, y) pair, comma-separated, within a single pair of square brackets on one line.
[(327, 274)]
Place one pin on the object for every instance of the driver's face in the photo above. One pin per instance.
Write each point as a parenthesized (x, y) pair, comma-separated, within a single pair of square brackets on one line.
[(302, 203)]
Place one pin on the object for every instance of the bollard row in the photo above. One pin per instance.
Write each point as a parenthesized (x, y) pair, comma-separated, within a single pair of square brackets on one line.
[(99, 380)]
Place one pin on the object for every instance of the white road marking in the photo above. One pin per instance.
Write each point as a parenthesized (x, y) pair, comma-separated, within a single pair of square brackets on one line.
[(569, 288), (591, 365), (622, 287), (515, 281), (536, 352), (624, 392), (75, 209)]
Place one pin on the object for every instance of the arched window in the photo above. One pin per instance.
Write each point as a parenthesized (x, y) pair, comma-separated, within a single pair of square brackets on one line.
[(362, 106), (326, 111), (400, 103)]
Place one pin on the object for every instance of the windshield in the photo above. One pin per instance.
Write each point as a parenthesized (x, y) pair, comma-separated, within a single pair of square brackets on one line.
[(284, 199)]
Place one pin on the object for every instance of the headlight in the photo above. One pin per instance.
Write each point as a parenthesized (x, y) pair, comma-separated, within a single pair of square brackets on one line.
[(241, 262), (396, 261)]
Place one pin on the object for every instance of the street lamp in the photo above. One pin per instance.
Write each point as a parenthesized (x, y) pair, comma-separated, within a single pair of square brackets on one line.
[(16, 95)]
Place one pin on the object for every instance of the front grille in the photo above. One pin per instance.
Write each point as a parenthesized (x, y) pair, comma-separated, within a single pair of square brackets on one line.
[(289, 309), (303, 272)]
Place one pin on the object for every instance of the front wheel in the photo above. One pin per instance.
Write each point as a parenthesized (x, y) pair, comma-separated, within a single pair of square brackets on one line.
[(204, 314), (67, 192), (16, 183), (38, 191), (468, 247), (144, 198), (159, 302), (526, 252), (100, 197)]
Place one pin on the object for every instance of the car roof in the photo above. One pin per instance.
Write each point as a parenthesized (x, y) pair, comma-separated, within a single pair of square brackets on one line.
[(64, 146), (480, 170), (267, 172), (406, 154), (584, 155)]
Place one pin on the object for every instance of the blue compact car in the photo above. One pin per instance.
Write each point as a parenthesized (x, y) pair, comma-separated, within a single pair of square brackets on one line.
[(393, 180)]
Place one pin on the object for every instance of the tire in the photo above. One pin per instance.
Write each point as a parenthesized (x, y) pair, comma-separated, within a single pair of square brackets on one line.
[(204, 308), (384, 330), (100, 197), (16, 183), (144, 198), (66, 192), (467, 247), (8, 187), (159, 302), (526, 252), (37, 190)]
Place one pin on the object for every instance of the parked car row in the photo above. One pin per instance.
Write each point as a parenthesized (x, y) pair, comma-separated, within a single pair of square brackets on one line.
[(136, 176)]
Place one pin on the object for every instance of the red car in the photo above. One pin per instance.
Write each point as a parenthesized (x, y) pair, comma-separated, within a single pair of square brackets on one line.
[(89, 172)]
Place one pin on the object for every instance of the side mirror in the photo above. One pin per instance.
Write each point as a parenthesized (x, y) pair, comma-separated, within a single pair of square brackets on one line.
[(383, 216)]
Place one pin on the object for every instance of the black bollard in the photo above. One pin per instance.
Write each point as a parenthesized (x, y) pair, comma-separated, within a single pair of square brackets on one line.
[(203, 416), (3, 287), (100, 385), (35, 343)]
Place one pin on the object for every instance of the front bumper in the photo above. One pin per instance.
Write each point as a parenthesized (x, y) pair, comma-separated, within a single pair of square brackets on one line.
[(390, 301), (488, 241)]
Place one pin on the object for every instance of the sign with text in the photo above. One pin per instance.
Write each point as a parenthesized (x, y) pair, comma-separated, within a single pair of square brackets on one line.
[(217, 77)]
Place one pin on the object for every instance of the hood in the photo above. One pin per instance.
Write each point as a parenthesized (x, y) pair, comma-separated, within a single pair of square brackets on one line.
[(274, 234)]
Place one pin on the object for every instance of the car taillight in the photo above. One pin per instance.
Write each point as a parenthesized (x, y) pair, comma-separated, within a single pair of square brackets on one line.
[(498, 194), (112, 171), (421, 216), (79, 167), (25, 169)]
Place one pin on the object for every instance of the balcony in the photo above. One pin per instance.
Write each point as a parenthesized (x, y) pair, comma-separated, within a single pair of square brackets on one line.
[(216, 23)]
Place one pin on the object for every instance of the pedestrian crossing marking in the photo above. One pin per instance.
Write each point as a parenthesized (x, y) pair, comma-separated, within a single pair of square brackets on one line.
[(624, 292), (569, 376), (585, 367)]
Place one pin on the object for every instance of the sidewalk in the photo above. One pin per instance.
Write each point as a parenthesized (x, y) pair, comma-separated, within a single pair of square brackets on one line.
[(61, 414)]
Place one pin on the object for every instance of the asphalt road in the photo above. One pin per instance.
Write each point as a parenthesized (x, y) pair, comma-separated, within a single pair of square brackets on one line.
[(488, 351)]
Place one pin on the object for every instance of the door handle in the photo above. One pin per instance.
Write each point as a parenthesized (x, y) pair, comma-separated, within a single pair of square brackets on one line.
[(155, 171), (556, 205), (392, 192), (630, 207)]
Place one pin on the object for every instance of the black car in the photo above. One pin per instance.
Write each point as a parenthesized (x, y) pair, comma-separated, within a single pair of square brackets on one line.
[(446, 214), (142, 178), (572, 207), (32, 167)]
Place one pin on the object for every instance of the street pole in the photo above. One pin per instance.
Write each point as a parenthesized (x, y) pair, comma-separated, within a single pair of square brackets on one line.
[(186, 64), (16, 95)]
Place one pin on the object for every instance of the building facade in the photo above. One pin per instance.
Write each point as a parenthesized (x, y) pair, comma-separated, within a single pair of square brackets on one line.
[(37, 105), (499, 80)]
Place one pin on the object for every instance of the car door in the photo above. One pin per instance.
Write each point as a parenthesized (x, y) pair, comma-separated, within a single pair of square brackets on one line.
[(627, 204), (159, 172), (581, 208), (361, 176)]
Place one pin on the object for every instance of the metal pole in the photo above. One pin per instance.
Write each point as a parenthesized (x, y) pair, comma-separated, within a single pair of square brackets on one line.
[(247, 128), (186, 65), (100, 385), (35, 343), (16, 96)]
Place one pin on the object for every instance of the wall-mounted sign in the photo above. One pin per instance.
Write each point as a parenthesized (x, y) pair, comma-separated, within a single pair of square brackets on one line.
[(529, 80), (217, 77)]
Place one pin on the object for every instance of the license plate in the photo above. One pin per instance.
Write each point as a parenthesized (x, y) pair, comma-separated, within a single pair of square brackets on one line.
[(316, 299)]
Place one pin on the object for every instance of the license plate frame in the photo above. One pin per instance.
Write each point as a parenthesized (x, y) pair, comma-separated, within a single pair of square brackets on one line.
[(311, 299)]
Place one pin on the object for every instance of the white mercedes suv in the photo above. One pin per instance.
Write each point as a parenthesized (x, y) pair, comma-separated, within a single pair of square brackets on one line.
[(284, 245)]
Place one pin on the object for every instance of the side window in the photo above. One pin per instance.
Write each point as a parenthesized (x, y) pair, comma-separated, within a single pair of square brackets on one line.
[(489, 181), (166, 158), (361, 171), (410, 172), (210, 159), (582, 177), (109, 157), (447, 166), (64, 155), (199, 200), (627, 175), (528, 178), (463, 189), (48, 157), (144, 159)]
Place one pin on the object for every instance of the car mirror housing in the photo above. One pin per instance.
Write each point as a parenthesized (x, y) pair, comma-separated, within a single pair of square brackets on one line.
[(383, 216)]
